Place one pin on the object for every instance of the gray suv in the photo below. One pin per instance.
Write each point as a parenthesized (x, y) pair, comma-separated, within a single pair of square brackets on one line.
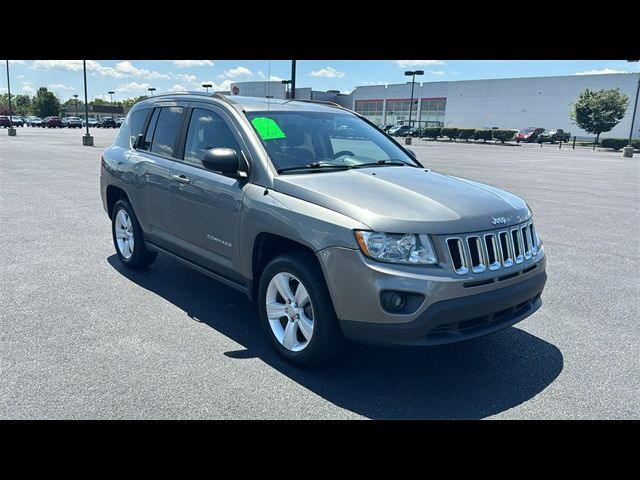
[(333, 227)]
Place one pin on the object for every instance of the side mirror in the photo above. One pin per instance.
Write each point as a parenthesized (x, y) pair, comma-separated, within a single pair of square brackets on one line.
[(221, 160)]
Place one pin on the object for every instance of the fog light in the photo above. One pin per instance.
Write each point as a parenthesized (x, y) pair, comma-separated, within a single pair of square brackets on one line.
[(397, 301)]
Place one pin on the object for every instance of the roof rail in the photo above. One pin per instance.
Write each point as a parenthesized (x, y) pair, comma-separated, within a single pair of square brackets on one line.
[(323, 102)]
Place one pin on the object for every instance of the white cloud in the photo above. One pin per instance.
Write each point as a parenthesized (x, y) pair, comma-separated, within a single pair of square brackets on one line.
[(20, 77), (127, 68), (236, 72), (28, 88), (14, 62), (226, 85), (192, 63), (436, 72), (186, 77), (76, 66), (122, 69), (600, 72), (275, 78), (178, 88), (417, 63), (59, 86), (328, 72), (133, 87)]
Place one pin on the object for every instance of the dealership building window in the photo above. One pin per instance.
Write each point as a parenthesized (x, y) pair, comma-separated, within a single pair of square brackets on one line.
[(398, 111), (371, 109), (432, 112)]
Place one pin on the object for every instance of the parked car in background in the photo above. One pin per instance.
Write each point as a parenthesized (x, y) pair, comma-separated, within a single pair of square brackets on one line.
[(554, 135), (93, 123), (108, 122), (17, 121), (74, 122), (64, 121), (529, 134), (4, 121), (52, 122), (385, 127), (399, 130), (119, 121), (33, 121), (414, 132)]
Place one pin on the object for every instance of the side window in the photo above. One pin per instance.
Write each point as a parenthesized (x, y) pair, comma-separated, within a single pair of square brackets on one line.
[(151, 129), (164, 138), (207, 130), (136, 122)]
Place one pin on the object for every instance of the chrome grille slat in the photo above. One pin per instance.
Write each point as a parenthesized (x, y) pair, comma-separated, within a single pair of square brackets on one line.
[(495, 250)]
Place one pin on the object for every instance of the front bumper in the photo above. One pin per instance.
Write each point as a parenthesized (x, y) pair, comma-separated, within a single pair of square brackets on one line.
[(453, 308)]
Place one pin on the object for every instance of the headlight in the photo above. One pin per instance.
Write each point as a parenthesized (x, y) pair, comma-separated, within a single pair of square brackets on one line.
[(397, 247)]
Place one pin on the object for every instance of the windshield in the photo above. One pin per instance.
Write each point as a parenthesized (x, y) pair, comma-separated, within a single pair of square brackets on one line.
[(318, 139), (527, 130)]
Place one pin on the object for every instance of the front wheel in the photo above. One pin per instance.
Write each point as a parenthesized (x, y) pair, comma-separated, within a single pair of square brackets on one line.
[(296, 310), (128, 237)]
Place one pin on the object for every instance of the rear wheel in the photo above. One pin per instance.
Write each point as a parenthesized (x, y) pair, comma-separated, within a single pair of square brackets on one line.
[(128, 238), (296, 310)]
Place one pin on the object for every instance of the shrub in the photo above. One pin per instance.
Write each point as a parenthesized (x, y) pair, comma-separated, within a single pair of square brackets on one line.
[(615, 143), (482, 134), (503, 135), (466, 133), (450, 132), (431, 132)]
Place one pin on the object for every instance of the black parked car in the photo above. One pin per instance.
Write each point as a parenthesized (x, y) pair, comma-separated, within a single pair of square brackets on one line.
[(554, 135), (108, 122), (17, 121)]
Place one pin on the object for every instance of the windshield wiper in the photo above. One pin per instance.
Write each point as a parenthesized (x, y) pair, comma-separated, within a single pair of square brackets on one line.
[(383, 163), (314, 167)]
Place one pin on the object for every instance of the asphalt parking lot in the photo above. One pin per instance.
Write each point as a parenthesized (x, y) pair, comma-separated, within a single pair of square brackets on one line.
[(80, 337)]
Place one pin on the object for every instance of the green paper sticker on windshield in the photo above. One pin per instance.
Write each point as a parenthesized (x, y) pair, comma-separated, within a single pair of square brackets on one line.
[(268, 128)]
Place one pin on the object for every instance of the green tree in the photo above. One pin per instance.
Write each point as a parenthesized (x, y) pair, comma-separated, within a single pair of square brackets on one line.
[(23, 104), (45, 103), (130, 102), (598, 111)]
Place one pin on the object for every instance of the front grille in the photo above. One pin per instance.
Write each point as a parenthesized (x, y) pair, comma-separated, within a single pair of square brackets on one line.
[(494, 250)]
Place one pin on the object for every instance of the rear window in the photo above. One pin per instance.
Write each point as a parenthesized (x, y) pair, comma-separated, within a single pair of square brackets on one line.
[(165, 136)]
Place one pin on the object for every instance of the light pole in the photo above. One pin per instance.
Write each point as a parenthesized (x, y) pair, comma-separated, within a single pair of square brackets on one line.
[(412, 74), (75, 97), (635, 106), (111, 93), (151, 89), (293, 79), (207, 86), (286, 84), (12, 131), (87, 140)]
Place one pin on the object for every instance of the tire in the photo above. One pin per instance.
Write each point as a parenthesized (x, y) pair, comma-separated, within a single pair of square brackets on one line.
[(140, 257), (326, 337)]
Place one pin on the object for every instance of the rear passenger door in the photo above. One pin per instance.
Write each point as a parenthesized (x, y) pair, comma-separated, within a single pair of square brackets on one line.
[(205, 205), (151, 164)]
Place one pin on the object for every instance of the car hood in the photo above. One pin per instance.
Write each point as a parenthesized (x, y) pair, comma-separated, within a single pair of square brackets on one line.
[(406, 199)]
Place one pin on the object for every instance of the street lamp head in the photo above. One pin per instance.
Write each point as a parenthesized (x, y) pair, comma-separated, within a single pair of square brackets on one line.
[(408, 73), (286, 82), (111, 93), (419, 72)]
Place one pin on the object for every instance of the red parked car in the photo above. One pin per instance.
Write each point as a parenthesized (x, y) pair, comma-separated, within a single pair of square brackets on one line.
[(529, 134), (52, 122), (4, 121)]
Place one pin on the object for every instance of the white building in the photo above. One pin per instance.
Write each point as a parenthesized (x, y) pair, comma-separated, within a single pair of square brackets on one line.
[(513, 103)]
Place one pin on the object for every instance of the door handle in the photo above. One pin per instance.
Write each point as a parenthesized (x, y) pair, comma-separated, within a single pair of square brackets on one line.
[(181, 178)]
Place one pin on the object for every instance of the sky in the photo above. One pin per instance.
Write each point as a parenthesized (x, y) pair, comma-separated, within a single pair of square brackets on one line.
[(130, 78)]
